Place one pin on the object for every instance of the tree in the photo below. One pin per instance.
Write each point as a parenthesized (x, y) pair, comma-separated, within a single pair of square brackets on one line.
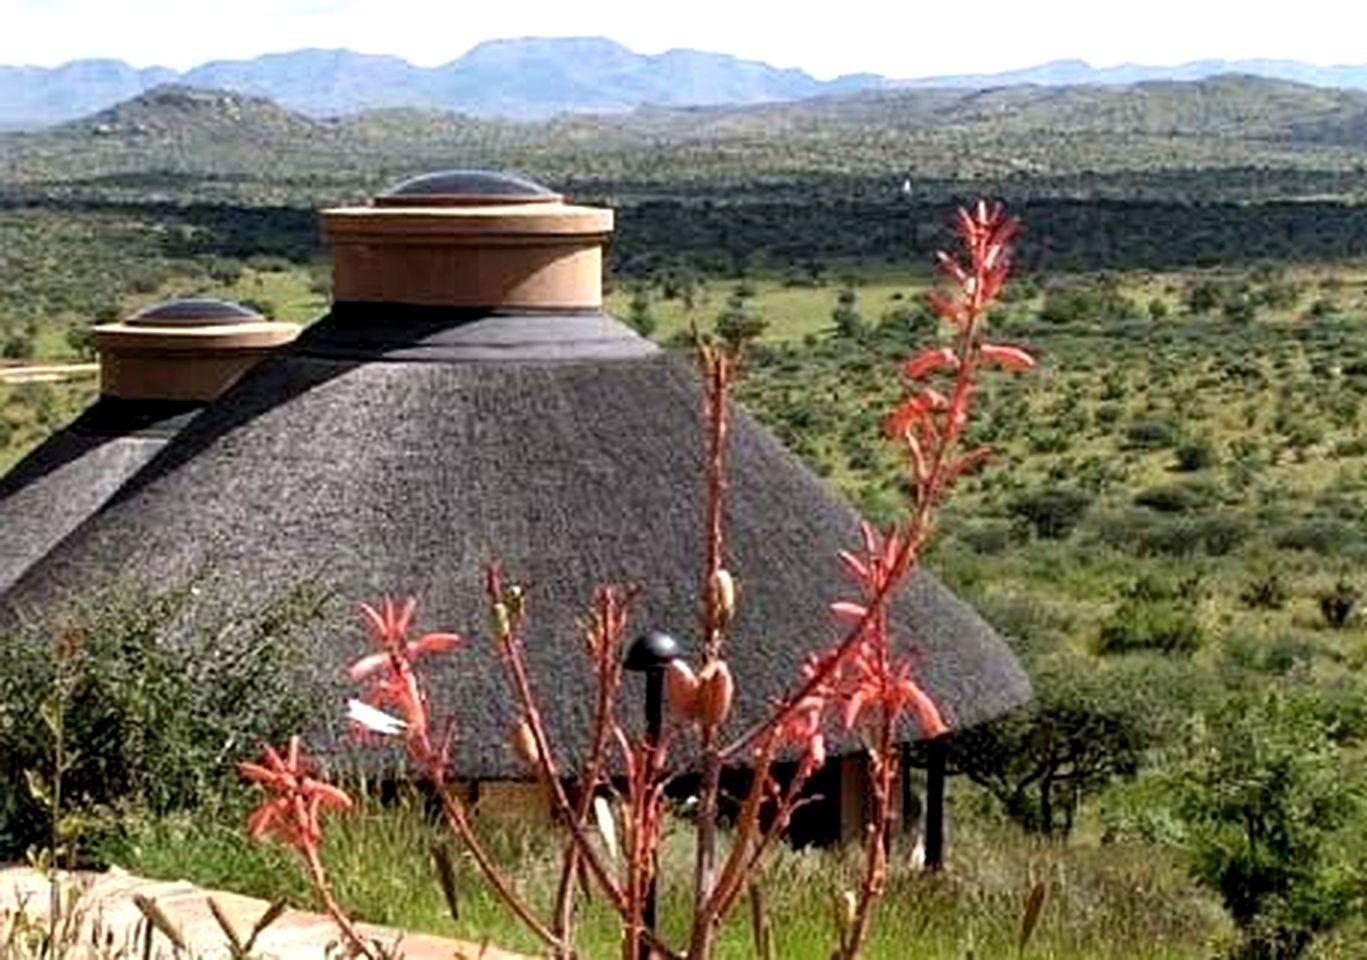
[(848, 322), (740, 323), (1086, 728), (639, 313)]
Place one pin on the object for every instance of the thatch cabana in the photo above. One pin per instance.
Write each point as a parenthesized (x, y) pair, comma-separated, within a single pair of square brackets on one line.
[(158, 368), (467, 399)]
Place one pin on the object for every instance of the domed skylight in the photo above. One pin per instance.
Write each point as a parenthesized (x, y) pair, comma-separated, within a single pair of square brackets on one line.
[(193, 312), (466, 188)]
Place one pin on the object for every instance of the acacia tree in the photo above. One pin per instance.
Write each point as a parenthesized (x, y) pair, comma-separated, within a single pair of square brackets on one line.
[(860, 685)]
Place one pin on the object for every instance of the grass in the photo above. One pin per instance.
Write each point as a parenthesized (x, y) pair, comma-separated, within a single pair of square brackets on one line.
[(1106, 901)]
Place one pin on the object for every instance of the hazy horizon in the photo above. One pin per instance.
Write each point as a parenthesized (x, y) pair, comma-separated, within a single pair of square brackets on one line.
[(901, 41)]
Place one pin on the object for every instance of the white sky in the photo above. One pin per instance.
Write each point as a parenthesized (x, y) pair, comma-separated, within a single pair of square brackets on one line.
[(909, 38)]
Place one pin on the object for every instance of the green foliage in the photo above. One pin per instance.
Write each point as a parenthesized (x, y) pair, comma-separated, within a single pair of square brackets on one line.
[(1085, 728), (162, 697), (639, 313), (1052, 513), (1267, 801), (1154, 615), (1198, 454), (740, 323), (1161, 626), (845, 316), (1339, 604), (1265, 592)]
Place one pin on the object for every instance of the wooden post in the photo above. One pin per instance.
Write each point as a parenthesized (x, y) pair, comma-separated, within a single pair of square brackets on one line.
[(937, 753)]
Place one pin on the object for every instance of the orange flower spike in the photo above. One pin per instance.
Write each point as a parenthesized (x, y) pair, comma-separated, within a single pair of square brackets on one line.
[(1008, 358), (950, 267), (927, 714), (928, 361), (855, 567), (432, 643), (291, 811)]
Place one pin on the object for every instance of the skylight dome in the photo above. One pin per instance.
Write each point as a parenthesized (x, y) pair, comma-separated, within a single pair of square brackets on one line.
[(194, 312), (466, 188)]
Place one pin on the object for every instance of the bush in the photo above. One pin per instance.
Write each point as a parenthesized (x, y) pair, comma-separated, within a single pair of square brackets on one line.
[(1176, 497), (1151, 434), (1195, 455), (152, 720), (1160, 626), (1321, 536), (1339, 604), (1054, 513), (1266, 801), (1266, 592)]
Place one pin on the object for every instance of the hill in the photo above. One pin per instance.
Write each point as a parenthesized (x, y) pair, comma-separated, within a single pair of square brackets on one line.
[(1037, 133)]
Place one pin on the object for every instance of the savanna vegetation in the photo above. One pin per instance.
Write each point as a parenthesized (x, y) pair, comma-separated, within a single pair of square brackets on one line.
[(1173, 543)]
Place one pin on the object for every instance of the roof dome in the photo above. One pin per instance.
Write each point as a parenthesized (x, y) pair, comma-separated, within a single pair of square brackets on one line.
[(194, 312), (466, 188)]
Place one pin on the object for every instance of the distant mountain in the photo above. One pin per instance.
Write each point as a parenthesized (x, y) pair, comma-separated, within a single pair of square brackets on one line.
[(533, 79), (39, 95), (520, 79), (1079, 72)]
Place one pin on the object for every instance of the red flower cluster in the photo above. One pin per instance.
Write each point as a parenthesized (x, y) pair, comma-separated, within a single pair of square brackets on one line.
[(929, 421), (291, 811), (389, 671)]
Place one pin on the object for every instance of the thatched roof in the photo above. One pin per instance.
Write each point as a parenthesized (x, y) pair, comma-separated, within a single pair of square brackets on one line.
[(67, 478), (396, 450), (158, 368)]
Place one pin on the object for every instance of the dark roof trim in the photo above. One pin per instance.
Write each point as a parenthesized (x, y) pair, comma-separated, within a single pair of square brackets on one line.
[(384, 331)]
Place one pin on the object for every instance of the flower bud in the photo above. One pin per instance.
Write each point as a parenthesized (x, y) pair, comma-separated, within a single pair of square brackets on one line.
[(524, 745), (723, 597), (499, 621), (716, 689), (681, 687)]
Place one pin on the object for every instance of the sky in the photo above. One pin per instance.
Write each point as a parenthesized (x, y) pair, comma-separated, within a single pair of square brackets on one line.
[(911, 38)]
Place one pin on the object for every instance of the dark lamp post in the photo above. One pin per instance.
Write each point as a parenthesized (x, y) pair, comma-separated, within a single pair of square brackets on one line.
[(650, 653)]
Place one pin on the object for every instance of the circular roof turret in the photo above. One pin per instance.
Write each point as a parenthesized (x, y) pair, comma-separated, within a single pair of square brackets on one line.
[(466, 188), (194, 312)]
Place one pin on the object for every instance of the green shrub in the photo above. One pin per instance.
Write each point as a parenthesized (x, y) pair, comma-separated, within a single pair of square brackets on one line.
[(1176, 497), (1195, 455), (1265, 592), (1162, 626), (162, 697), (1267, 802), (1052, 513), (1320, 535), (1339, 604), (1151, 434)]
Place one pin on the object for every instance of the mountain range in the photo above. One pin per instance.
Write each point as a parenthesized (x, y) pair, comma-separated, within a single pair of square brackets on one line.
[(535, 78)]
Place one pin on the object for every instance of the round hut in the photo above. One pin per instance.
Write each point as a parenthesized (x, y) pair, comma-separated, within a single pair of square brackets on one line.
[(158, 368), (467, 399)]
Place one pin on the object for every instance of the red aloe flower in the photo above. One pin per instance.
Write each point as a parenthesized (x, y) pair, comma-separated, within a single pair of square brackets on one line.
[(291, 811), (1008, 358), (393, 683), (872, 677)]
